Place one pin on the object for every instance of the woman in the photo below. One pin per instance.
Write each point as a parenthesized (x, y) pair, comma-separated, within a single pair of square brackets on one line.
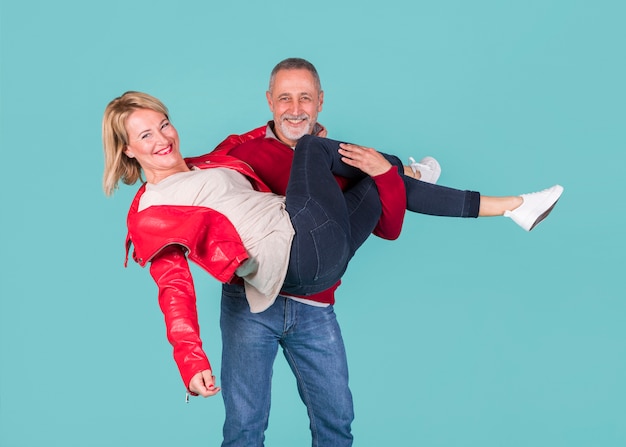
[(220, 215)]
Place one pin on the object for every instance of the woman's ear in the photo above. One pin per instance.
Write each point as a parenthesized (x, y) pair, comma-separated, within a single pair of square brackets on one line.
[(128, 152)]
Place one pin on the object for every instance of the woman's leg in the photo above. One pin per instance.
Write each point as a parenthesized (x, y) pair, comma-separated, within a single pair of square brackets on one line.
[(526, 210), (330, 224), (328, 232), (437, 200), (422, 197)]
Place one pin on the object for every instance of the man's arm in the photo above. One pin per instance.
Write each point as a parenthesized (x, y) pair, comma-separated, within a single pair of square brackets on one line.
[(391, 189)]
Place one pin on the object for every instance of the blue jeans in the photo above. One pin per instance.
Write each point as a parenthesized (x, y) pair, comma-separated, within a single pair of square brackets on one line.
[(313, 346)]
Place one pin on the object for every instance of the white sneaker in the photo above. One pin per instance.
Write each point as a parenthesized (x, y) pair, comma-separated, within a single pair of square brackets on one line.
[(428, 168), (535, 208)]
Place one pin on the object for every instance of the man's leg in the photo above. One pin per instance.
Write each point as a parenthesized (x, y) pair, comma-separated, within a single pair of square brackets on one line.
[(314, 349), (250, 343)]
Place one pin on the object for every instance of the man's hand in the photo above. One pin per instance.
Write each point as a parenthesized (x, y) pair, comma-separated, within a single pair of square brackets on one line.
[(366, 159), (203, 383)]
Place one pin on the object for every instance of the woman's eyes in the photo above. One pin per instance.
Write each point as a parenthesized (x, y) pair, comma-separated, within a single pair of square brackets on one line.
[(149, 134)]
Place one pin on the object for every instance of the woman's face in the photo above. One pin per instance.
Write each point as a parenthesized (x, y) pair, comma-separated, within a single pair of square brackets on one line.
[(153, 142)]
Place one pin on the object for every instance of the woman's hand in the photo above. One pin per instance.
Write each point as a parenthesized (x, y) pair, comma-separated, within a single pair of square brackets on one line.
[(203, 383), (366, 159)]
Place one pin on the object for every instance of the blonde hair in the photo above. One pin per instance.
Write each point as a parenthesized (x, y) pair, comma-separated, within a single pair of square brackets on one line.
[(117, 165)]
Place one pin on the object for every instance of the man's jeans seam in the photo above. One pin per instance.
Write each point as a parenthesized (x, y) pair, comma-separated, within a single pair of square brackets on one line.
[(305, 394)]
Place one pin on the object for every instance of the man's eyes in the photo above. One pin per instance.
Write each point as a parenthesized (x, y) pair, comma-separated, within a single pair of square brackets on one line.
[(302, 99)]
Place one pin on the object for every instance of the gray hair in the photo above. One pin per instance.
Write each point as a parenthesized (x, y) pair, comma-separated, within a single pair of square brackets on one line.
[(295, 63)]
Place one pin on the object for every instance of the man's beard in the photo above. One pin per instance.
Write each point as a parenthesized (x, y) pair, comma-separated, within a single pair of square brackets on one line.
[(295, 134)]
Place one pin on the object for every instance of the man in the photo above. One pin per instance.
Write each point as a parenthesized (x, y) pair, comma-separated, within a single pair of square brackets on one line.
[(305, 328)]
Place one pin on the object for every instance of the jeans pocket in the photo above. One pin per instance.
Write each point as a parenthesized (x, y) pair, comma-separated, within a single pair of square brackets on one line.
[(332, 252)]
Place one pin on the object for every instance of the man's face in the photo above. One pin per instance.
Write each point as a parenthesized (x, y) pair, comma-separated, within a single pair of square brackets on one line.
[(295, 102)]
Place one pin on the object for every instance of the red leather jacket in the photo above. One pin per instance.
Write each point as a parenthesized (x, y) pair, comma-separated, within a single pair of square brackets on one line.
[(165, 236)]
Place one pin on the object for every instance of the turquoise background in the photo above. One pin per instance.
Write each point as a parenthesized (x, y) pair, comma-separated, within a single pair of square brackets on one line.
[(461, 333)]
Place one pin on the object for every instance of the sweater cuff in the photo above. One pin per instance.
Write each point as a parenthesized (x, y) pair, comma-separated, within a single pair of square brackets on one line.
[(392, 193)]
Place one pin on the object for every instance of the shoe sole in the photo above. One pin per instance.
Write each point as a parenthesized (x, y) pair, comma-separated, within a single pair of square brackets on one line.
[(543, 215)]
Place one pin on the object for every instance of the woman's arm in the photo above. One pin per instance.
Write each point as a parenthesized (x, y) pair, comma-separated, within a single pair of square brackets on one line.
[(177, 299)]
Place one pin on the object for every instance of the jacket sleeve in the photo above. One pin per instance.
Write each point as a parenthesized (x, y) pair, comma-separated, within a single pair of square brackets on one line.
[(177, 299), (392, 193), (232, 141)]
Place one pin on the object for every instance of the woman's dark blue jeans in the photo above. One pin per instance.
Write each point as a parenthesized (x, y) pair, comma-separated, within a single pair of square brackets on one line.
[(331, 224)]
